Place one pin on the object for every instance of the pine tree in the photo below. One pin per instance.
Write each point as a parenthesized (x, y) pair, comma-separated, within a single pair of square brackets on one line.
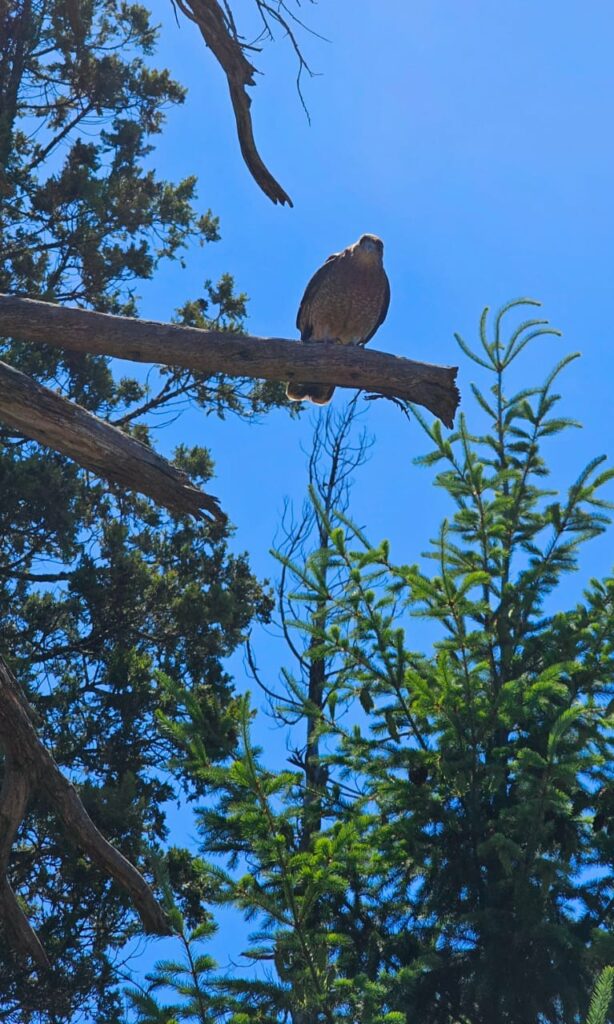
[(467, 802)]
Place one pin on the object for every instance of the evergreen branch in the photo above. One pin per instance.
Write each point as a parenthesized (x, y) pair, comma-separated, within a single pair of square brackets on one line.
[(601, 998), (512, 304), (43, 153), (515, 335), (288, 881), (165, 394)]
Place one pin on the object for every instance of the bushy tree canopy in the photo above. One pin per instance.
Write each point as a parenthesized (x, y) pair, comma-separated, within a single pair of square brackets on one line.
[(101, 590)]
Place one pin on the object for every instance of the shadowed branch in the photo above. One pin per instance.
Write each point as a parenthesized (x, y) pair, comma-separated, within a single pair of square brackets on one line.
[(43, 415), (28, 766)]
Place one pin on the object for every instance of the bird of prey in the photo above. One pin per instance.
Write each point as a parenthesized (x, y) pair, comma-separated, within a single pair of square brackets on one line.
[(345, 302)]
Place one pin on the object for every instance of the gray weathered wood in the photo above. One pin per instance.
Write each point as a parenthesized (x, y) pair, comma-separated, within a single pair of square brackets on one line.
[(147, 341), (45, 416), (213, 24)]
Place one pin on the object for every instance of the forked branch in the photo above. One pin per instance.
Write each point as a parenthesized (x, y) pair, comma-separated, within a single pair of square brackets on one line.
[(29, 767)]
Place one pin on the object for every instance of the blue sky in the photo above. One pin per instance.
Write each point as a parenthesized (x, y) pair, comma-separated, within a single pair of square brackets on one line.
[(476, 139)]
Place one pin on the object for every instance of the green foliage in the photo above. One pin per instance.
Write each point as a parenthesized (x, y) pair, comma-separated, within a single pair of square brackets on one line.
[(131, 590), (83, 218), (189, 978), (461, 868), (98, 220), (104, 598), (601, 998)]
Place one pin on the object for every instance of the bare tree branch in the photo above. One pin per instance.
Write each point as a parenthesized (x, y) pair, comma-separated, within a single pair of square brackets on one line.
[(219, 34), (29, 766), (144, 341), (45, 416), (20, 932), (17, 784)]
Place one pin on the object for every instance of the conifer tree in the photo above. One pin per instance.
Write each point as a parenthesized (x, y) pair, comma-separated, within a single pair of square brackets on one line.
[(100, 589), (461, 870)]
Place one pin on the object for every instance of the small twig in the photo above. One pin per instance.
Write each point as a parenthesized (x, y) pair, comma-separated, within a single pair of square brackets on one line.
[(396, 401), (302, 63)]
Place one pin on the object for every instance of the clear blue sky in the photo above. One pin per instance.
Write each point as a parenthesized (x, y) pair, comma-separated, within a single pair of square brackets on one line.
[(476, 139)]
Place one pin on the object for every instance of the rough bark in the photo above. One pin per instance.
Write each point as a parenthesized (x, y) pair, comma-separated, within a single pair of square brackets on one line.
[(15, 43), (28, 766), (223, 42), (43, 415), (82, 330)]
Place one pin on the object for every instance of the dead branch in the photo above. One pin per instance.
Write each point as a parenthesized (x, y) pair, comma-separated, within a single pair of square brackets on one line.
[(221, 38), (17, 782), (45, 416), (145, 341), (19, 931), (28, 766)]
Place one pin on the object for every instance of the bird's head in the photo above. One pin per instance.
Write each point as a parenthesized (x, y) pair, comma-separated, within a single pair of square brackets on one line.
[(370, 245)]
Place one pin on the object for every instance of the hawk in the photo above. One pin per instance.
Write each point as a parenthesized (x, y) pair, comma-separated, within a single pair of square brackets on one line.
[(345, 302)]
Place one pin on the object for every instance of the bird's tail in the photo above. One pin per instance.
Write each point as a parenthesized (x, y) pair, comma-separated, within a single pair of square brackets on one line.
[(319, 394)]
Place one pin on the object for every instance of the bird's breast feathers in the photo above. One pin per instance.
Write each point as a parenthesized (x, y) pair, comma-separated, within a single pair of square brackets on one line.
[(346, 303)]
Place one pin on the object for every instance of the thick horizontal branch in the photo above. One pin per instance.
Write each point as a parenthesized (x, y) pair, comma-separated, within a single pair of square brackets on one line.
[(147, 341), (43, 415), (29, 766)]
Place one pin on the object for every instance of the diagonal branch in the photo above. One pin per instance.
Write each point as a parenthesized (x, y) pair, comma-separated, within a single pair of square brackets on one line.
[(45, 416), (17, 783), (219, 36), (146, 341), (28, 765), (19, 931)]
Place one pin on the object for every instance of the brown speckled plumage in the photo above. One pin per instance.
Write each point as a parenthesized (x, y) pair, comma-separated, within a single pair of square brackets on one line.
[(345, 302)]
